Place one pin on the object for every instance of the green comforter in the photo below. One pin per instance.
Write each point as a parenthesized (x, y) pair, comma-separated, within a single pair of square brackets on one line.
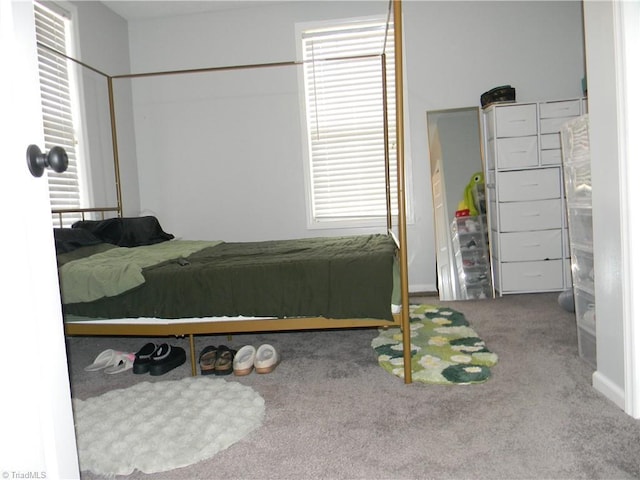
[(118, 270), (336, 277)]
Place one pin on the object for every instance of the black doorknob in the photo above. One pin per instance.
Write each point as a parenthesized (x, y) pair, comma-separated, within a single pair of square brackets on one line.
[(57, 159)]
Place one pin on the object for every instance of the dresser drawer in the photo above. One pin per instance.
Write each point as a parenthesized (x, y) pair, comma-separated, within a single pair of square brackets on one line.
[(517, 152), (537, 215), (516, 120), (549, 141), (565, 108), (551, 157), (524, 185), (553, 125), (532, 276), (533, 245)]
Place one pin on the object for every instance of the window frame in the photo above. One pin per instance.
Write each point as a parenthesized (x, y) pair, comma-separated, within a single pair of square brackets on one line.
[(347, 222), (76, 99)]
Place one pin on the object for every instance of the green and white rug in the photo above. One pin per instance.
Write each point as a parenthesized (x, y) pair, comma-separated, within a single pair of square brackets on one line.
[(445, 349)]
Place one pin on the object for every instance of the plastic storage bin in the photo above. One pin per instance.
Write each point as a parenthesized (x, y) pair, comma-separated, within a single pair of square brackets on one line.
[(471, 246), (577, 179), (585, 310), (582, 269), (581, 226)]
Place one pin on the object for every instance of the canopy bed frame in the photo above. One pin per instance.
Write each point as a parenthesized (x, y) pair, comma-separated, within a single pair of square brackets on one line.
[(207, 326)]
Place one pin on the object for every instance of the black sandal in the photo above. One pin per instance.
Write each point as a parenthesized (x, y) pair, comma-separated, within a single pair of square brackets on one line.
[(142, 361), (207, 359), (166, 358), (224, 360)]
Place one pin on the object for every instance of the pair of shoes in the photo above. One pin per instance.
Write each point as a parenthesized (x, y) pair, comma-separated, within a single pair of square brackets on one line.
[(265, 359), (112, 361), (216, 360), (207, 360), (143, 358), (158, 360)]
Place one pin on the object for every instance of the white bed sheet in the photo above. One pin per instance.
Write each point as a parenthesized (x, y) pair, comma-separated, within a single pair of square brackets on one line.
[(395, 309)]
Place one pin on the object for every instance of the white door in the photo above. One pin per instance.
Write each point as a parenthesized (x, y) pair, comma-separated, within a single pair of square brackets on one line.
[(37, 438)]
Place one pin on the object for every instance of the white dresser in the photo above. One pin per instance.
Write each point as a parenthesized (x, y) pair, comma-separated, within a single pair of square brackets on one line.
[(525, 194)]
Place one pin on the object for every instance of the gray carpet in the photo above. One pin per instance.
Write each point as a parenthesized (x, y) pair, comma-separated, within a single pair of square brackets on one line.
[(333, 413)]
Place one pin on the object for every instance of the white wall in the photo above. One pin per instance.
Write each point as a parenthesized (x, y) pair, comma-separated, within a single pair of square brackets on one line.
[(220, 155), (454, 52), (606, 177), (104, 45)]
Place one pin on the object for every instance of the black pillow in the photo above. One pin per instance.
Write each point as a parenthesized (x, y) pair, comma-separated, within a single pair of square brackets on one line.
[(126, 232), (69, 239)]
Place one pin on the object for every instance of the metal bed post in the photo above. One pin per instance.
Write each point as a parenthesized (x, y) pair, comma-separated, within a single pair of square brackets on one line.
[(402, 212), (114, 143), (192, 355), (385, 122)]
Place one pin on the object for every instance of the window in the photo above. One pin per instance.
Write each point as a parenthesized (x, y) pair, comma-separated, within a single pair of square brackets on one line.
[(58, 97), (345, 121)]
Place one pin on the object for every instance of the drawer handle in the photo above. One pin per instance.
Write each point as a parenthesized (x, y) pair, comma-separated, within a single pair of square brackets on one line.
[(531, 245), (533, 214), (530, 185), (518, 120), (532, 274)]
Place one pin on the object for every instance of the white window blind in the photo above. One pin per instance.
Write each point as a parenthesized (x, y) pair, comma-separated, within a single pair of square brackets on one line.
[(52, 29), (345, 120)]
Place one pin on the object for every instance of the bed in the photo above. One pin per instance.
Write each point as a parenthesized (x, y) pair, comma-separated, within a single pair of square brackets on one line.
[(235, 287), (143, 278)]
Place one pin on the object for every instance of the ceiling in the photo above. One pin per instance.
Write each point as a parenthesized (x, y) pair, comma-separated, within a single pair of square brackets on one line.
[(141, 9)]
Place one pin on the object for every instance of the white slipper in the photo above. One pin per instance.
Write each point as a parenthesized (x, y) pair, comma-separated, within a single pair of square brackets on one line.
[(243, 360), (266, 359), (124, 362), (104, 360)]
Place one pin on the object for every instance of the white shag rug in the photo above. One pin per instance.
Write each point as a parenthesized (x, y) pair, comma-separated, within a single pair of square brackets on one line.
[(159, 426)]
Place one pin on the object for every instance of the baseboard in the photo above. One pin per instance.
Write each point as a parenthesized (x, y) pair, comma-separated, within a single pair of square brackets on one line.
[(609, 389), (423, 289)]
